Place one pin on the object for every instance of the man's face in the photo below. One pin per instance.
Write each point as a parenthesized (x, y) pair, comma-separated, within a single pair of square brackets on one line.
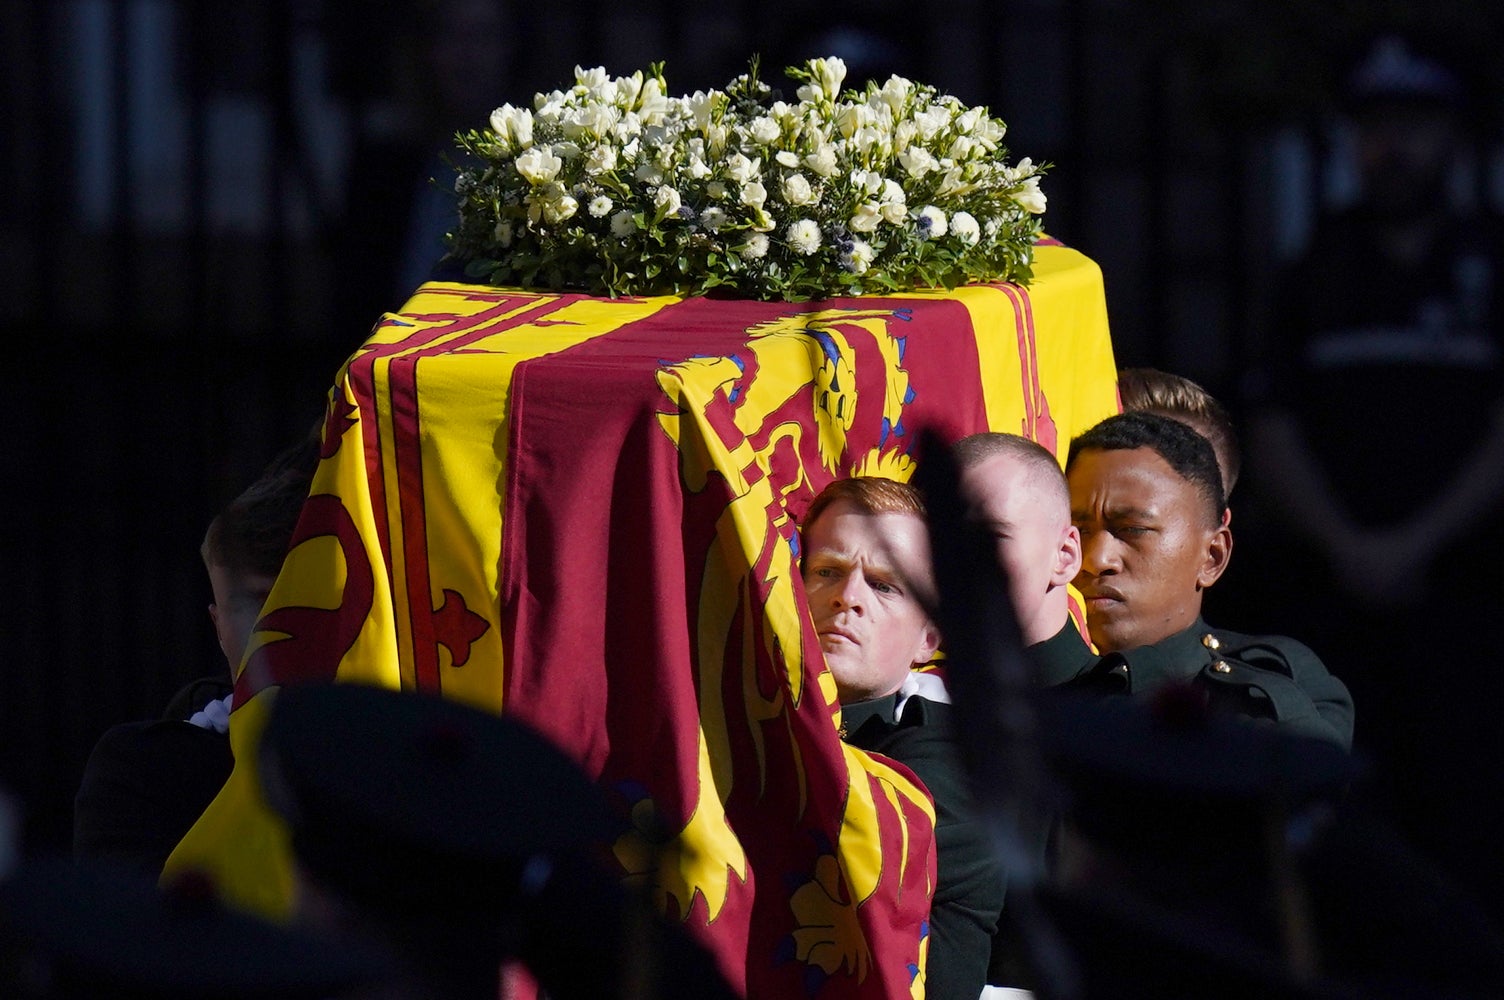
[(1036, 544), (860, 571), (1148, 547), (238, 598)]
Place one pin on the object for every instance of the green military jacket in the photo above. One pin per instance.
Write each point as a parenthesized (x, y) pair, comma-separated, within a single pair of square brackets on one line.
[(1268, 677), (1061, 658)]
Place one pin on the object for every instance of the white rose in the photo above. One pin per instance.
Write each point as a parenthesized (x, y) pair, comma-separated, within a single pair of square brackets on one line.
[(804, 236), (894, 212), (741, 169), (755, 247), (866, 217), (600, 160), (538, 165), (600, 206), (754, 194), (822, 161), (666, 200), (1029, 197), (963, 225), (713, 218), (931, 222), (797, 190), (622, 224), (765, 130)]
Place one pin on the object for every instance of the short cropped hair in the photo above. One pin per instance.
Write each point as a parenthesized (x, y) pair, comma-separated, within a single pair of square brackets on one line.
[(1176, 397), (870, 495), (975, 449), (250, 536), (1184, 450)]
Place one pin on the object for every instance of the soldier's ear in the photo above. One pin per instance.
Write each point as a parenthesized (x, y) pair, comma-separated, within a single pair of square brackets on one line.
[(1218, 555), (1067, 557)]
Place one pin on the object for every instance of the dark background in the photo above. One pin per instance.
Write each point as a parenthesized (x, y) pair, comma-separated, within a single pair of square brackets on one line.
[(202, 205)]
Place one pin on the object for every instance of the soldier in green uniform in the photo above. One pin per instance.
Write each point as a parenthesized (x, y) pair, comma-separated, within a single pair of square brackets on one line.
[(1147, 498)]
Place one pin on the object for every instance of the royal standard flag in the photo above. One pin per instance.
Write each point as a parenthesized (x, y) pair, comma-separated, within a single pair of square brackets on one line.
[(582, 512)]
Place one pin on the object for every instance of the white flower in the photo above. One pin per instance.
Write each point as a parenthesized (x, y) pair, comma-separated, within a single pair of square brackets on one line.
[(600, 206), (591, 79), (538, 165), (866, 217), (786, 158), (894, 212), (765, 130), (827, 77), (823, 160), (701, 106), (1029, 197), (713, 218), (666, 200), (755, 247), (741, 169), (622, 224), (649, 172), (859, 257), (717, 190), (804, 236), (917, 161), (503, 233), (797, 191), (559, 209), (963, 226), (600, 160), (931, 222), (892, 191), (512, 125), (754, 194)]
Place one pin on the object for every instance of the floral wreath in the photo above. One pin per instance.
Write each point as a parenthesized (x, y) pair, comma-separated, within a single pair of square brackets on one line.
[(613, 188)]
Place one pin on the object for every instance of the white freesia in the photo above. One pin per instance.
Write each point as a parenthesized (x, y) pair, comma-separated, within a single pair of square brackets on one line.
[(931, 222), (754, 194), (786, 158), (600, 206), (804, 236), (917, 161), (701, 108), (513, 125), (538, 165), (963, 226), (1029, 197), (828, 75), (591, 80)]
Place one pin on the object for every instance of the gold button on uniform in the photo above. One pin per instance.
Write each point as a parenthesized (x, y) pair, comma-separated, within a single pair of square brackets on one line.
[(1221, 667), (1211, 642)]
